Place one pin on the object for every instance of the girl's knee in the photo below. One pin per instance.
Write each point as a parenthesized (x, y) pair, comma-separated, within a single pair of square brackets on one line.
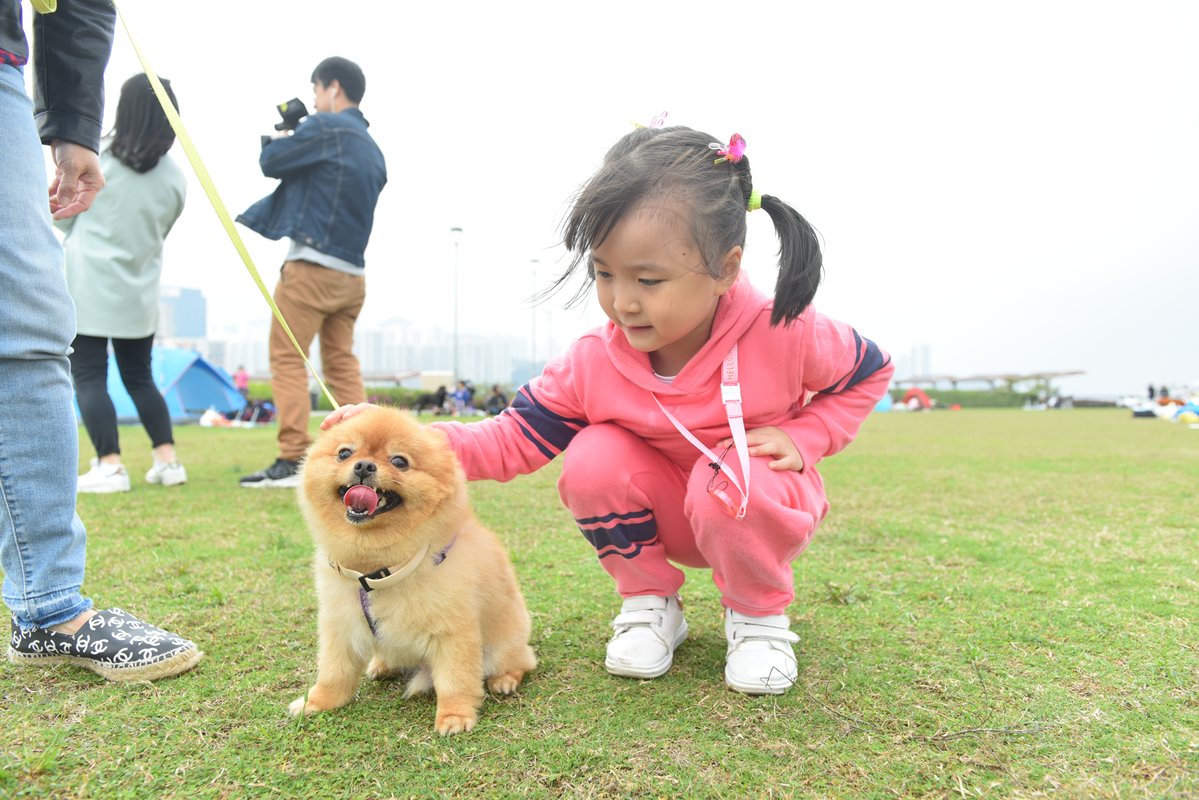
[(598, 455), (782, 514), (769, 490)]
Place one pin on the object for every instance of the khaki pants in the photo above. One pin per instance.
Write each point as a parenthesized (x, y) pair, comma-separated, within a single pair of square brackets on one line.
[(314, 301)]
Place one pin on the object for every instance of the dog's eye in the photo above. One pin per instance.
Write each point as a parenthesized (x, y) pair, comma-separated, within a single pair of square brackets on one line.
[(344, 453), (400, 462)]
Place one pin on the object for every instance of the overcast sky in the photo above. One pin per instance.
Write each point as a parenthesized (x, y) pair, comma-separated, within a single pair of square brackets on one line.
[(1015, 184)]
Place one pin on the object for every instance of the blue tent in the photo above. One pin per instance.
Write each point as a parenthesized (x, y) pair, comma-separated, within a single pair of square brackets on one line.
[(885, 402), (188, 383)]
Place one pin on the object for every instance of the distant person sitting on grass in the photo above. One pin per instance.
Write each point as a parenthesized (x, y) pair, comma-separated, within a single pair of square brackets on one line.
[(464, 399), (432, 401), (496, 402)]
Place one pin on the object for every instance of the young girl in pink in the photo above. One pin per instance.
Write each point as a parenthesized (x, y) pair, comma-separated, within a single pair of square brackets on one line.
[(697, 377)]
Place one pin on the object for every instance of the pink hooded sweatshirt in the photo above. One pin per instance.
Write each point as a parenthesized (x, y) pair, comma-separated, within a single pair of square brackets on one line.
[(816, 378)]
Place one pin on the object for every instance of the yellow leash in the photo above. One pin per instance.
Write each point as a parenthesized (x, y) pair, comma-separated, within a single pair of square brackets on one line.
[(193, 156)]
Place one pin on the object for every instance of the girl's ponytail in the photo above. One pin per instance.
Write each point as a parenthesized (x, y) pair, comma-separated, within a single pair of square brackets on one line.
[(801, 264)]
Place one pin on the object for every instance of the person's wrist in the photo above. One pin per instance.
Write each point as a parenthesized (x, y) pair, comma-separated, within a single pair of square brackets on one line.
[(66, 144)]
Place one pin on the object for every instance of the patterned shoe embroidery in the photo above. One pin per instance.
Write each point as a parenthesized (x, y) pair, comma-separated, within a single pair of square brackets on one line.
[(111, 637)]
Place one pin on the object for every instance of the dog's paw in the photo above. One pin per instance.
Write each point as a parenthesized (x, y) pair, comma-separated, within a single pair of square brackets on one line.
[(378, 670), (302, 707), (449, 724), (506, 683)]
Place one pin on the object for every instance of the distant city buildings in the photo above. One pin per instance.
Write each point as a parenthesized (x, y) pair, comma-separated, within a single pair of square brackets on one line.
[(398, 346), (182, 313), (389, 351)]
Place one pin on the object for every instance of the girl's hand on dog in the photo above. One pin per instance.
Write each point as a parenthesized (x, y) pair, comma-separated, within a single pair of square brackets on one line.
[(344, 413)]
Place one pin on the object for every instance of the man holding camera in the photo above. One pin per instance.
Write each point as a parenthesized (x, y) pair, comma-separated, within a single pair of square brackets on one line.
[(331, 174)]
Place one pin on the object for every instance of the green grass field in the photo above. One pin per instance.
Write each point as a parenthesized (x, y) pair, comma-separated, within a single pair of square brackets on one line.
[(1000, 604)]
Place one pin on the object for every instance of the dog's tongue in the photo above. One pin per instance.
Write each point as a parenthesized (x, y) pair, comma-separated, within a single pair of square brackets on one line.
[(361, 499)]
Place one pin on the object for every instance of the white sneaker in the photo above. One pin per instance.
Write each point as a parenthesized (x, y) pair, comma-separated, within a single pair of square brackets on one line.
[(170, 473), (103, 479), (648, 629), (760, 659)]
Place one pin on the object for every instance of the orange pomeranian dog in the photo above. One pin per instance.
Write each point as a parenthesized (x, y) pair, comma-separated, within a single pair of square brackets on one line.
[(405, 575)]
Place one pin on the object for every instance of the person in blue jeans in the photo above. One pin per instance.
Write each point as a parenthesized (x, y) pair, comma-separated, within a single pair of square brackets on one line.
[(42, 539)]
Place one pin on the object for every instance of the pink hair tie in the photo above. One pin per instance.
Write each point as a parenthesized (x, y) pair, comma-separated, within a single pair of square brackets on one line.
[(734, 152)]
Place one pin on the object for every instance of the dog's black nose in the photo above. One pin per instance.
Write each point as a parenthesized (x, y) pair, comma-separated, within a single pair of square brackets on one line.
[(364, 469)]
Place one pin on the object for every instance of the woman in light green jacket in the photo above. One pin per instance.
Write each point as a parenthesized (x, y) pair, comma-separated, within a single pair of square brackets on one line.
[(114, 263)]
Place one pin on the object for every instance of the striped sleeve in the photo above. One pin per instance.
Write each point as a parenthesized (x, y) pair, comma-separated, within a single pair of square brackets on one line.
[(538, 425), (548, 431), (868, 360), (846, 374)]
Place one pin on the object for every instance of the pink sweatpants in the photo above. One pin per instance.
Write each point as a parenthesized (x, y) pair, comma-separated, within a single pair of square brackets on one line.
[(640, 511)]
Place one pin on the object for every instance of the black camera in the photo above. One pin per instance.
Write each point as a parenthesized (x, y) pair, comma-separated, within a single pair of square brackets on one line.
[(293, 112)]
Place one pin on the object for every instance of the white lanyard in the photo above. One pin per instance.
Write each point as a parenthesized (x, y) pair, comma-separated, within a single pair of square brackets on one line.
[(730, 395)]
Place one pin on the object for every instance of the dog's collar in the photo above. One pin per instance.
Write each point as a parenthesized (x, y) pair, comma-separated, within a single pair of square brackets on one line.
[(382, 577), (387, 576)]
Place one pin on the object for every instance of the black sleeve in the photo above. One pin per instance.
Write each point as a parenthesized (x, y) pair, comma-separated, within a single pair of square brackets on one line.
[(70, 52)]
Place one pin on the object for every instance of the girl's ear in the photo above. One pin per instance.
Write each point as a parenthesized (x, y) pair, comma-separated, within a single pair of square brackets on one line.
[(730, 268)]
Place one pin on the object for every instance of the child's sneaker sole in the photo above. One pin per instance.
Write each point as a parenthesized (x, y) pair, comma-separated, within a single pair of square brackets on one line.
[(775, 685)]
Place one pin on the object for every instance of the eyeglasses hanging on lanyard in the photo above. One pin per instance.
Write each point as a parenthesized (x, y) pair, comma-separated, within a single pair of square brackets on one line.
[(730, 395)]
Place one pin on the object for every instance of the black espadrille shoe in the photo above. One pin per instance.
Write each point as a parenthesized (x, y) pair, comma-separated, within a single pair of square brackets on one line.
[(113, 644)]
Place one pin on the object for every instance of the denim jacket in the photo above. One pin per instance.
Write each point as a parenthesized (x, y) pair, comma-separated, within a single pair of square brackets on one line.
[(331, 173)]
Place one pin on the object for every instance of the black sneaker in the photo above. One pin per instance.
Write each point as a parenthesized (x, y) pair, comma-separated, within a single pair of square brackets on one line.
[(113, 644), (283, 474)]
